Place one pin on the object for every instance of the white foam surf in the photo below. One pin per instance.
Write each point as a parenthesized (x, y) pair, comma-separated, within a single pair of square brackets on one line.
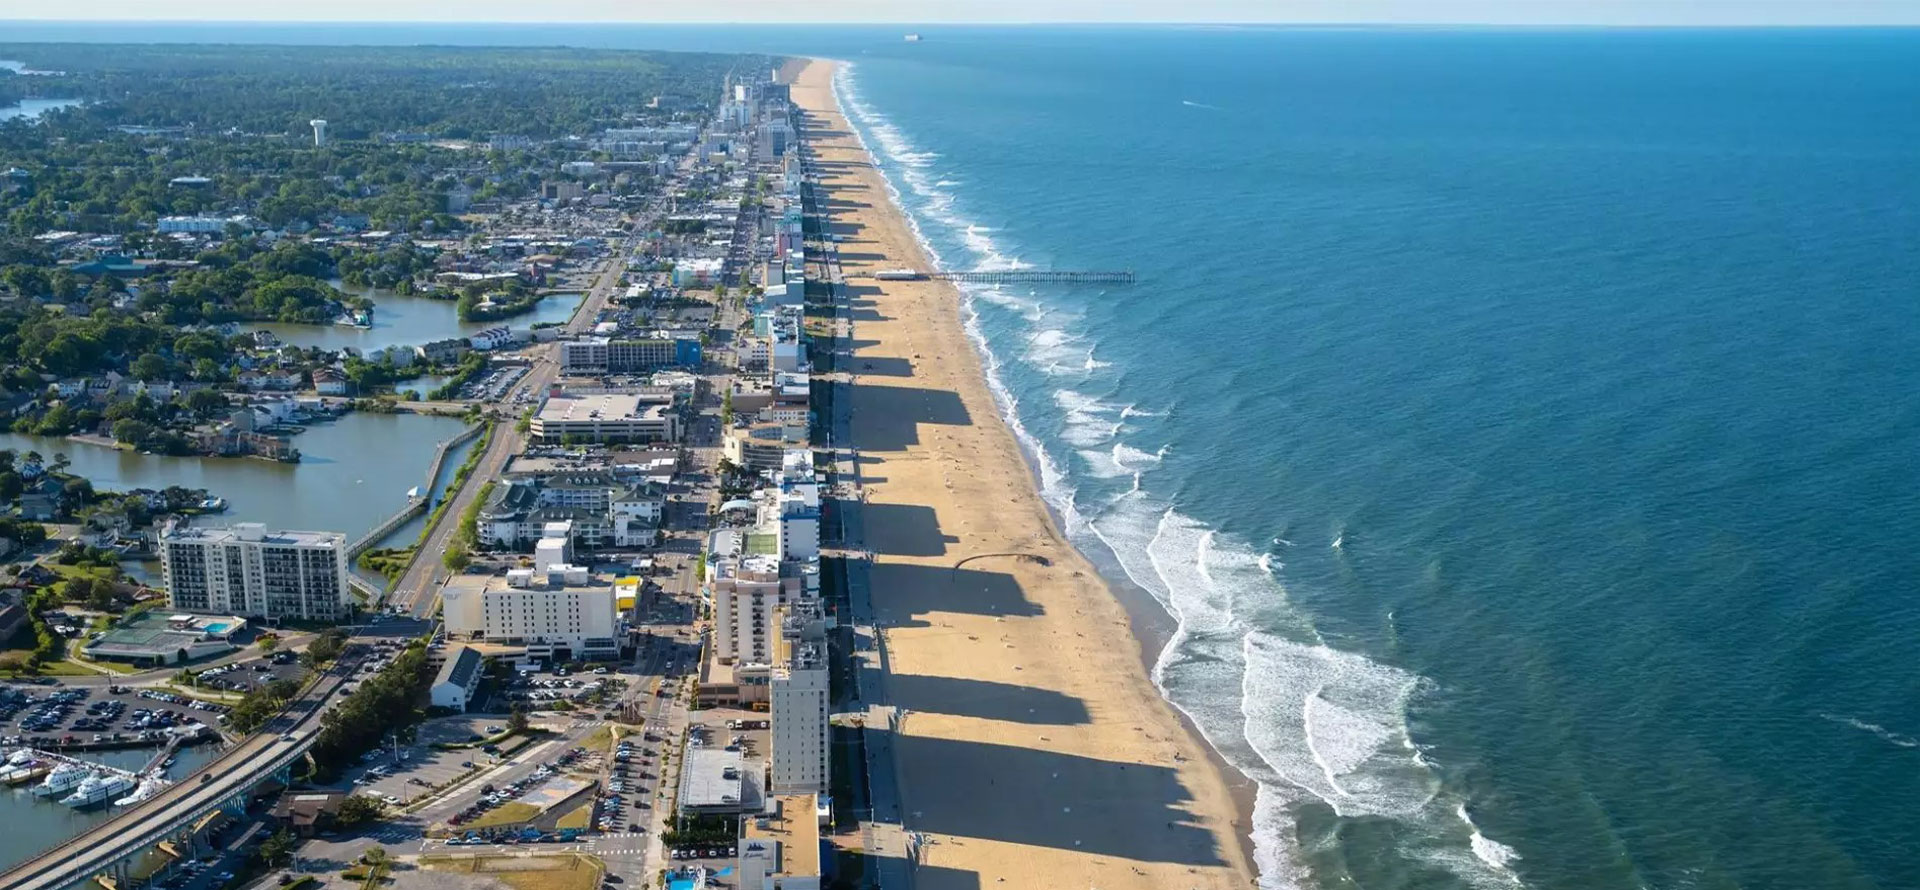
[(1310, 724), (1496, 855), (1876, 730)]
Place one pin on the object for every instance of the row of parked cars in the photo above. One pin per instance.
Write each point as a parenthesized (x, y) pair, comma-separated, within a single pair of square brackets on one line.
[(491, 797), (630, 776)]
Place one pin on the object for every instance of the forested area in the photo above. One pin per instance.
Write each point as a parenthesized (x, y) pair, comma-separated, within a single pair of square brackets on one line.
[(449, 92)]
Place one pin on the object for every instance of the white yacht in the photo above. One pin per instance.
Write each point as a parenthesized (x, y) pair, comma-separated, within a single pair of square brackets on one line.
[(20, 757), (97, 788), (18, 774), (62, 779), (148, 788)]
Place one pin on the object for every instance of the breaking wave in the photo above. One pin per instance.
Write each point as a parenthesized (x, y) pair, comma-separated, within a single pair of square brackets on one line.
[(1312, 725)]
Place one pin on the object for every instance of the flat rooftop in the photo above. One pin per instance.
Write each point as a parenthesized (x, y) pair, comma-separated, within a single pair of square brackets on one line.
[(252, 532), (795, 827), (703, 779), (568, 408)]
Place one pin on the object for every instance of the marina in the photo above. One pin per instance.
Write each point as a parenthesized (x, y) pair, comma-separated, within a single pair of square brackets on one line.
[(79, 783), (34, 821)]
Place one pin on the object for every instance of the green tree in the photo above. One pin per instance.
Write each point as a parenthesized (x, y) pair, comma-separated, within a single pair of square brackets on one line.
[(101, 598), (517, 720), (456, 558), (150, 367), (277, 849), (131, 431), (268, 644), (206, 402), (359, 810)]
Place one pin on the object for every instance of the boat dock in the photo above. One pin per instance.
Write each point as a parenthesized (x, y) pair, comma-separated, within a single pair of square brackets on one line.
[(50, 759)]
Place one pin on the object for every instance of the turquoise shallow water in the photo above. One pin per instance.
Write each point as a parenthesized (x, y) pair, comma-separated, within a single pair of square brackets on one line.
[(1519, 423)]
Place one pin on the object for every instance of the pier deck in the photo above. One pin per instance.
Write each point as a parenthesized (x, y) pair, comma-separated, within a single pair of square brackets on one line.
[(1012, 276)]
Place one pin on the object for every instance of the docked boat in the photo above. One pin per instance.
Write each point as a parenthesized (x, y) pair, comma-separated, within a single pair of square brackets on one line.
[(23, 773), (213, 504), (20, 757), (63, 778), (97, 789), (148, 788)]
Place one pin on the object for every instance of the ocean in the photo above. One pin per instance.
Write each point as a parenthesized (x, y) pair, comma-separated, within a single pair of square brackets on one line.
[(1518, 425)]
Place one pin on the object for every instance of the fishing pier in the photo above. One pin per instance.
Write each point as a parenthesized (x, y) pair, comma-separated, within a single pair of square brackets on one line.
[(1008, 276)]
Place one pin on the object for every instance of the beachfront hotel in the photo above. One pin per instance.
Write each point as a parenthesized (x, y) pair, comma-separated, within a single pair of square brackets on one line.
[(248, 571)]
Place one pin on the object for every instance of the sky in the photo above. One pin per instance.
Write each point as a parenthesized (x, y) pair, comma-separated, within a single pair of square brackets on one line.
[(1503, 12)]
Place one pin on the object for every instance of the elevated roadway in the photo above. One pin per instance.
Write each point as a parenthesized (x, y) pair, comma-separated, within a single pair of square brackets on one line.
[(224, 783)]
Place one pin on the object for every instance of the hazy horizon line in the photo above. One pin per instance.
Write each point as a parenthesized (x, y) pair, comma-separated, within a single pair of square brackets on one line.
[(1117, 23)]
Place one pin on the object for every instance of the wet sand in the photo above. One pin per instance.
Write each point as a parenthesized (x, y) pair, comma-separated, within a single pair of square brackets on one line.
[(1035, 752)]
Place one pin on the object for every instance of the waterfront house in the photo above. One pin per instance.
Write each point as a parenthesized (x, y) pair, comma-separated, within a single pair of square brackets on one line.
[(445, 351), (251, 379), (38, 506), (282, 378), (329, 382), (492, 338)]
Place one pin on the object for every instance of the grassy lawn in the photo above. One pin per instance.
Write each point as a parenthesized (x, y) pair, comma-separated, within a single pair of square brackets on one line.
[(218, 698), (512, 812), (600, 739), (579, 818), (65, 571), (565, 872), (60, 669)]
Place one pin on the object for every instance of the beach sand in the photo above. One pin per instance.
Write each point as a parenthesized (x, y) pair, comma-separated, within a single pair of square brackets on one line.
[(1036, 752)]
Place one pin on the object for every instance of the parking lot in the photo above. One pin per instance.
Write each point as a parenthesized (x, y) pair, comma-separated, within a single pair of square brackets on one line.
[(55, 715), (246, 676), (534, 690), (492, 797)]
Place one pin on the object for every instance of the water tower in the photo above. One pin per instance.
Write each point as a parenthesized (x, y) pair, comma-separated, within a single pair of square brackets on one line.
[(319, 132)]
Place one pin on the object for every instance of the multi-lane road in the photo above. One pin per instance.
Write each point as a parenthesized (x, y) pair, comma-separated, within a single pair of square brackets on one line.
[(415, 593)]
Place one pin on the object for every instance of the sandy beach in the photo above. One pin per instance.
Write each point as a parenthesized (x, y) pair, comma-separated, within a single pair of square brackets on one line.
[(1036, 752)]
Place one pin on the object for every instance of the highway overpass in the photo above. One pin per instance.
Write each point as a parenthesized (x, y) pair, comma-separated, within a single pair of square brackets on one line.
[(225, 783)]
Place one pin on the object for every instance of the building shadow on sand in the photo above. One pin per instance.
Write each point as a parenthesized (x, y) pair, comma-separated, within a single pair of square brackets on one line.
[(1028, 796)]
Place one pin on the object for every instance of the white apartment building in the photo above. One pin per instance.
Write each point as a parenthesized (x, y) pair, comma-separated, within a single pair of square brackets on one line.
[(563, 614), (607, 354), (745, 592), (248, 571), (604, 417)]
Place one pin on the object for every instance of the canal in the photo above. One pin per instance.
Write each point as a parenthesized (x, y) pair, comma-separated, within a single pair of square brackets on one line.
[(353, 472)]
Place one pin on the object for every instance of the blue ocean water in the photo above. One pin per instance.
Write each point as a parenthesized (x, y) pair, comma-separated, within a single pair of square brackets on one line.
[(1520, 424)]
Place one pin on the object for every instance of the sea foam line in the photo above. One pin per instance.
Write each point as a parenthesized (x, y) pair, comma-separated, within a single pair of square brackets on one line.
[(1337, 732)]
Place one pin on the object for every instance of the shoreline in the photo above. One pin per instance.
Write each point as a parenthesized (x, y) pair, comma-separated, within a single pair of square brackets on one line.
[(922, 434)]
